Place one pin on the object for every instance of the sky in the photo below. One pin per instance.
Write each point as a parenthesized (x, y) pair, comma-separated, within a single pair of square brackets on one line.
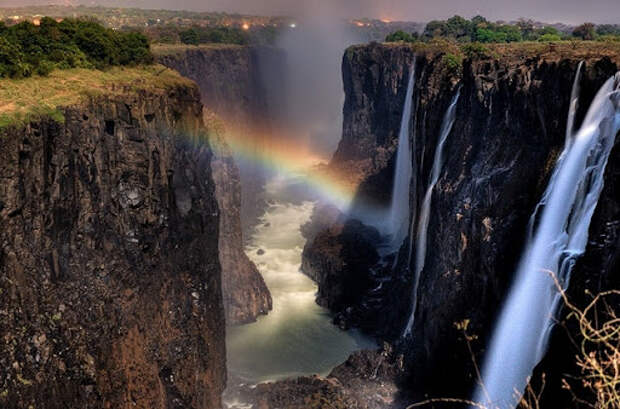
[(568, 11)]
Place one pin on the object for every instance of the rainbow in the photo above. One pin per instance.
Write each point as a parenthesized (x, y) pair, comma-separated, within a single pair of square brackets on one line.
[(282, 157)]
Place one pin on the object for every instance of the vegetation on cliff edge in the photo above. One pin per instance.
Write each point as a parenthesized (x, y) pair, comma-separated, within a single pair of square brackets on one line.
[(24, 100)]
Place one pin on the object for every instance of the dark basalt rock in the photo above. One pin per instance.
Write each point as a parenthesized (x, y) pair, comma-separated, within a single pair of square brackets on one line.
[(232, 84), (109, 274), (509, 129), (245, 293)]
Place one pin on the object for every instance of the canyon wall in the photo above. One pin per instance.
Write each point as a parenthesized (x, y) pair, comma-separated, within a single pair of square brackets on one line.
[(110, 281), (510, 126), (233, 81), (245, 293)]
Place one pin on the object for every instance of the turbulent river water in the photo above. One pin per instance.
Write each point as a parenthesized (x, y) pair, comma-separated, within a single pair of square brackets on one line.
[(296, 338)]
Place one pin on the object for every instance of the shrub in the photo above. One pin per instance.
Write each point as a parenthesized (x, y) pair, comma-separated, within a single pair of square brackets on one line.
[(452, 64), (476, 51), (400, 36), (45, 68), (549, 37)]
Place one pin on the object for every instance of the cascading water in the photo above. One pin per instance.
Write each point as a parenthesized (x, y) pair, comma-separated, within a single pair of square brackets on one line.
[(398, 216), (420, 241), (393, 222), (558, 239)]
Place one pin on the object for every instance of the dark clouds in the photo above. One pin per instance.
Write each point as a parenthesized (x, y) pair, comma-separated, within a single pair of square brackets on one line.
[(569, 11)]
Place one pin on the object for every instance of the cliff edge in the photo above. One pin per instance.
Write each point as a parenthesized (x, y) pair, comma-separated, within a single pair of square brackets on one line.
[(110, 280)]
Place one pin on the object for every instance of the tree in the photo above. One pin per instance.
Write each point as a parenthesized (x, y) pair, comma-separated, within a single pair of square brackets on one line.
[(512, 33), (478, 21), (435, 28), (399, 36), (527, 27), (608, 29), (458, 27), (585, 31), (189, 36)]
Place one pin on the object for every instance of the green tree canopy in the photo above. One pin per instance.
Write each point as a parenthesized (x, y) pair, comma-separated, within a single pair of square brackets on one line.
[(26, 48)]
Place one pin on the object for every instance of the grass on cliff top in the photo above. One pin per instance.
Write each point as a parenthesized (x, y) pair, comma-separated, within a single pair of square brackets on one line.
[(159, 50), (25, 100)]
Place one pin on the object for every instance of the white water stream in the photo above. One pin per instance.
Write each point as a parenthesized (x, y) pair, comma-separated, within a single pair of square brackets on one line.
[(555, 241), (421, 235)]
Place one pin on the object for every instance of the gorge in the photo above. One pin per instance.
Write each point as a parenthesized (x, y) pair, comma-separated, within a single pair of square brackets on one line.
[(169, 242)]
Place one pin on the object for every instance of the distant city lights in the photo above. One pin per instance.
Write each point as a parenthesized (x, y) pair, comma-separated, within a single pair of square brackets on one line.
[(245, 26), (293, 25)]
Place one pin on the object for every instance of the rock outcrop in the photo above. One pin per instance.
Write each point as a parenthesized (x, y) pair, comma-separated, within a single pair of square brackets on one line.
[(109, 274), (367, 380), (510, 126), (233, 82), (245, 293)]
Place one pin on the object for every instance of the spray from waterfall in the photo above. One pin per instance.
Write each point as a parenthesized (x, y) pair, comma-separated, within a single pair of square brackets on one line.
[(553, 246), (421, 235)]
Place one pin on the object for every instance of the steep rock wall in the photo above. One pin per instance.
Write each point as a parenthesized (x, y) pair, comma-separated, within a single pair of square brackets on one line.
[(110, 280), (246, 295), (509, 128), (232, 82)]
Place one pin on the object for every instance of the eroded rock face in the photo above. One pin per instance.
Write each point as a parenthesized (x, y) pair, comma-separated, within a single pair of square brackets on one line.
[(109, 272), (246, 295), (232, 83), (509, 129)]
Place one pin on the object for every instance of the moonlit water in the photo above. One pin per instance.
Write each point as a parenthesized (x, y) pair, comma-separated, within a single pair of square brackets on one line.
[(297, 338), (559, 238), (421, 236)]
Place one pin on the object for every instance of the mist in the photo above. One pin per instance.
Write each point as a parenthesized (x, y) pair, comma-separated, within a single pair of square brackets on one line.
[(314, 91)]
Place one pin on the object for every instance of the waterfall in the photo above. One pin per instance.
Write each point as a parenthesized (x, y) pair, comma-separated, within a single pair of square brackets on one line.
[(398, 216), (421, 236), (574, 101), (553, 245)]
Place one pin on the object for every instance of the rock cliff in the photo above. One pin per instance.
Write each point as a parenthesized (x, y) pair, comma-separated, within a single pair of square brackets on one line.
[(110, 281), (510, 126), (245, 293), (232, 82)]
